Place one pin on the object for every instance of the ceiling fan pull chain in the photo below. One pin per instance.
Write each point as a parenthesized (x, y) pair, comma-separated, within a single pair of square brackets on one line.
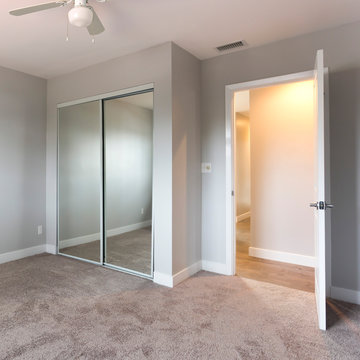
[(67, 29)]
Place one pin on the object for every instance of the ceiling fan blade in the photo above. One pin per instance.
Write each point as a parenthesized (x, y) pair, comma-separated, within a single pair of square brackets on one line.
[(96, 27), (35, 8)]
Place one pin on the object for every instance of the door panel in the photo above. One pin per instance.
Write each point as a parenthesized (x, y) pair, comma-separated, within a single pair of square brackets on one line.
[(319, 191), (128, 139), (79, 181)]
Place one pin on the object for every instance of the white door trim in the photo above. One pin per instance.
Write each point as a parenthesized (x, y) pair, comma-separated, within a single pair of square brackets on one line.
[(230, 212)]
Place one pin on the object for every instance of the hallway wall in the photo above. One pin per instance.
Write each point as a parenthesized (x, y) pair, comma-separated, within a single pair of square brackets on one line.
[(243, 201), (282, 168)]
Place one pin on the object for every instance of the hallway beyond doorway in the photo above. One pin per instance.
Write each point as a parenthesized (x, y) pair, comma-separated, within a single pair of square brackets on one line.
[(275, 272)]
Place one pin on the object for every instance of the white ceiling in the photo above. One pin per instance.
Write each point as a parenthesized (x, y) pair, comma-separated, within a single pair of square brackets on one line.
[(35, 43)]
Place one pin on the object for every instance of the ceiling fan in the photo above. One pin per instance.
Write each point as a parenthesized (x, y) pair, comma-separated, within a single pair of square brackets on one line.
[(80, 15)]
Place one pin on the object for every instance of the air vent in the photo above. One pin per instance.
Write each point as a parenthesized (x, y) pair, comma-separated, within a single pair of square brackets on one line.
[(234, 45)]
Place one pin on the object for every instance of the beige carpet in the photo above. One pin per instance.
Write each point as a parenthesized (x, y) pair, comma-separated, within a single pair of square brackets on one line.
[(131, 250), (53, 307)]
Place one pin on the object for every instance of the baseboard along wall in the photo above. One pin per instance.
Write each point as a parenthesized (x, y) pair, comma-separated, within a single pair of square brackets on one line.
[(348, 295), (186, 273), (282, 256), (23, 253), (163, 279), (173, 280), (111, 232), (214, 267), (50, 249)]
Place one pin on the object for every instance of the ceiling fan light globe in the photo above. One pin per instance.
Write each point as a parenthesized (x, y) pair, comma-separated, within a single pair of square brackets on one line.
[(80, 16)]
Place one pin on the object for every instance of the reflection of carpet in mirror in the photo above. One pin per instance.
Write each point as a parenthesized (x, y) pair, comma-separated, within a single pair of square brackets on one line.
[(131, 250)]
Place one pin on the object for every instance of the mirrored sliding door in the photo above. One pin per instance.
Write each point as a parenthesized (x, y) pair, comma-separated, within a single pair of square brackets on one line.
[(80, 180), (128, 149)]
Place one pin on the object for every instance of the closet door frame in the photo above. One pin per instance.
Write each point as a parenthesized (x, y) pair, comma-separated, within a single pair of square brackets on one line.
[(101, 98)]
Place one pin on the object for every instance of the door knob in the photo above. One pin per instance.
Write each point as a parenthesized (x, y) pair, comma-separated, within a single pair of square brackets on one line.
[(315, 205), (329, 206), (321, 205)]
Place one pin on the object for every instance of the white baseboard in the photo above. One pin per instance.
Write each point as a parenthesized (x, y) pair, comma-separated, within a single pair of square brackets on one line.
[(215, 267), (186, 273), (50, 249), (243, 216), (351, 296), (282, 256), (171, 281), (112, 232), (19, 254), (163, 279)]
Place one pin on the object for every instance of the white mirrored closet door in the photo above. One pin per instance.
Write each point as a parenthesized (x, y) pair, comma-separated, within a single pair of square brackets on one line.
[(80, 181), (105, 181), (128, 159)]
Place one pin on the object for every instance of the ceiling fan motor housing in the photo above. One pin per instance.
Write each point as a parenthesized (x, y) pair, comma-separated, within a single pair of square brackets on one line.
[(81, 14), (80, 2)]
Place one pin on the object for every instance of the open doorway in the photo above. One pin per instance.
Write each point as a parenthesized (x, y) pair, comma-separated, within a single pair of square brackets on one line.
[(321, 182), (274, 180)]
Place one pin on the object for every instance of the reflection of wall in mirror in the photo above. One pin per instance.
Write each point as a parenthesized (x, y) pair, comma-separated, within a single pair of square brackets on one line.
[(128, 152), (79, 170), (128, 149)]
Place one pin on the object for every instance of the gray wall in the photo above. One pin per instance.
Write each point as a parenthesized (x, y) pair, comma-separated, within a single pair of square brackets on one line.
[(148, 66), (342, 56), (22, 159), (186, 159)]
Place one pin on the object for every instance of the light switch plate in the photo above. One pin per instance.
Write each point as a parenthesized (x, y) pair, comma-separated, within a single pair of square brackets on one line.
[(205, 168), (40, 229)]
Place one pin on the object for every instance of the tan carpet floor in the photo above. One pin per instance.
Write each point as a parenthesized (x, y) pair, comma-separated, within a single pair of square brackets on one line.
[(131, 250), (53, 307)]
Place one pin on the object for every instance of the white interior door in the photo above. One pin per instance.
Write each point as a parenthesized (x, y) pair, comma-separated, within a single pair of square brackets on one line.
[(320, 204)]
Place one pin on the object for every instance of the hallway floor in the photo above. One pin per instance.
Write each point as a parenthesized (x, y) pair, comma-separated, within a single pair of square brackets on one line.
[(278, 273)]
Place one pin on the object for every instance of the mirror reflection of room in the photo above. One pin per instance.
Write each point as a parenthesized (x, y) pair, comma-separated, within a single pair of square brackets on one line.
[(105, 182), (128, 181), (79, 181)]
